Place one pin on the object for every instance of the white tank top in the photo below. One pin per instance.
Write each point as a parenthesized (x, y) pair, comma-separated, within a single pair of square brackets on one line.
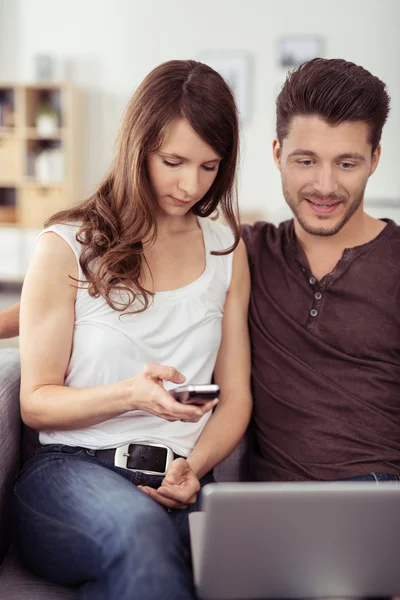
[(181, 328)]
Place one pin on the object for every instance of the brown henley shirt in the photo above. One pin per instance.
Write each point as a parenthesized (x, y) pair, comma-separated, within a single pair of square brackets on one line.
[(326, 358)]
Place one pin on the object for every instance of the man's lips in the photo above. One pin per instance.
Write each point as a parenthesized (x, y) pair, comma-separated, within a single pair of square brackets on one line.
[(322, 207), (319, 202)]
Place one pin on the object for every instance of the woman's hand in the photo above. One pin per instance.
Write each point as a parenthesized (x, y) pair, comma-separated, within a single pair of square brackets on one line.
[(148, 394), (179, 487)]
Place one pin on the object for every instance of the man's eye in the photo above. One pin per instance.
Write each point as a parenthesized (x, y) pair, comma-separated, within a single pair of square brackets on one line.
[(347, 165), (170, 164), (306, 162)]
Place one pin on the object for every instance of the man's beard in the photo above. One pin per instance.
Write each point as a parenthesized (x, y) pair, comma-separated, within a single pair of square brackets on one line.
[(321, 231)]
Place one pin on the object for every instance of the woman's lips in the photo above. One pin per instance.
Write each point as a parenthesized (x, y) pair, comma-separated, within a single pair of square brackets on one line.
[(179, 202)]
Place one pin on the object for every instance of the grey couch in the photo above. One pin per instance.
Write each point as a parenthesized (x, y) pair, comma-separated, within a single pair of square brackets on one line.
[(16, 583)]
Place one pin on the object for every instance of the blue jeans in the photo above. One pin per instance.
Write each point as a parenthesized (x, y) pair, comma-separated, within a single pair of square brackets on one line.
[(377, 477), (79, 521)]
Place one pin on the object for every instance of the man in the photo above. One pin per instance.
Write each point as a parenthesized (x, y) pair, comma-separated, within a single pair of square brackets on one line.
[(324, 318)]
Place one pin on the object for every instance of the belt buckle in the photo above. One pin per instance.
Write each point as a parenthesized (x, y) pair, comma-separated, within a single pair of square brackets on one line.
[(122, 454)]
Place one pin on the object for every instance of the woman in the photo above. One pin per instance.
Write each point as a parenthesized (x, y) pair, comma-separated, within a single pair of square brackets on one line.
[(132, 293)]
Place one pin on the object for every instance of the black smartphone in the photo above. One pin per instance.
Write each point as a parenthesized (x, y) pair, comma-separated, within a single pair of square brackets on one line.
[(195, 394)]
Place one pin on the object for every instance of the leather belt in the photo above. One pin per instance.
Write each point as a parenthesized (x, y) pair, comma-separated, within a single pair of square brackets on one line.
[(144, 457)]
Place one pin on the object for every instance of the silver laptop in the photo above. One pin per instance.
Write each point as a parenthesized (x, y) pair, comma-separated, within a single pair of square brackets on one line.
[(297, 540)]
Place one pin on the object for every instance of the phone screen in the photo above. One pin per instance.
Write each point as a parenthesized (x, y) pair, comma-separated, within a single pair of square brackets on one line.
[(195, 394)]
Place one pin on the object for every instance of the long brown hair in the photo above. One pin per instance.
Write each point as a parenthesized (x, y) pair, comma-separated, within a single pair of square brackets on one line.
[(120, 214), (337, 91)]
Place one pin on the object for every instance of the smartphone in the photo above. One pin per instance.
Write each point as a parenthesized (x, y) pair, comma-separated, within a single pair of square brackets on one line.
[(195, 394)]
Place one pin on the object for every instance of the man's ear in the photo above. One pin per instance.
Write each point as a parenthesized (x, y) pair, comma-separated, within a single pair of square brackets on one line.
[(375, 159), (276, 152)]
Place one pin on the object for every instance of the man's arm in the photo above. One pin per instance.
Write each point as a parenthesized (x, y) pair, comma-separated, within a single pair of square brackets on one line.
[(9, 322)]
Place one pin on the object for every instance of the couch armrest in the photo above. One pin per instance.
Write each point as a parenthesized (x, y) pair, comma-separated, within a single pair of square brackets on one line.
[(10, 437)]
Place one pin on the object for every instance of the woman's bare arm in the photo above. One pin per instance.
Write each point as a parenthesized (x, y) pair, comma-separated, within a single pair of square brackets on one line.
[(232, 372), (232, 414), (47, 324)]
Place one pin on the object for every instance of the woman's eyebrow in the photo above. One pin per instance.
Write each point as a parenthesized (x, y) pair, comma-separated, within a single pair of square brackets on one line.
[(183, 159)]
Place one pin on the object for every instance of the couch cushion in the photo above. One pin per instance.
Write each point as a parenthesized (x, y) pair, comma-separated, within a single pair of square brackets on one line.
[(16, 583), (10, 437), (233, 468)]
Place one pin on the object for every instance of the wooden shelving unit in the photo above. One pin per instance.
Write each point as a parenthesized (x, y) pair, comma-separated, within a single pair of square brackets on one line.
[(41, 141)]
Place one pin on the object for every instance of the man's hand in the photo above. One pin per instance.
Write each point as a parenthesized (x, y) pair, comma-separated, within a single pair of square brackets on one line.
[(179, 487)]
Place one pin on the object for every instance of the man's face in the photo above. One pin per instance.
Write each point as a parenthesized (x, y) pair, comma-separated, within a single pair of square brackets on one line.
[(324, 171)]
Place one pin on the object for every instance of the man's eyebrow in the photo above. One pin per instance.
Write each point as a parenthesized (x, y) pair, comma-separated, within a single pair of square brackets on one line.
[(300, 152), (353, 155), (183, 159), (344, 156)]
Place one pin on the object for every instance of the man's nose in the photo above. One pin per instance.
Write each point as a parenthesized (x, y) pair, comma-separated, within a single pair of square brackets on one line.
[(326, 181)]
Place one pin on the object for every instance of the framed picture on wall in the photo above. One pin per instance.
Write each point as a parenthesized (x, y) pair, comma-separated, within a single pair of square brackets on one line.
[(234, 66), (298, 49)]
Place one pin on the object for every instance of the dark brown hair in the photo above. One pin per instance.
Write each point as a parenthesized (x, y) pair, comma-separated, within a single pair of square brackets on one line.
[(120, 214), (337, 91)]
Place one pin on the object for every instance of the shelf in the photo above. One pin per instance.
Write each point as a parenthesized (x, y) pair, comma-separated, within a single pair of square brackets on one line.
[(7, 183), (48, 85), (33, 134), (42, 171), (34, 183), (8, 132), (8, 225), (29, 133)]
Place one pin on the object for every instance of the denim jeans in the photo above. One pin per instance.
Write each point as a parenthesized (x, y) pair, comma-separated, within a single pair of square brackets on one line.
[(377, 477), (79, 521)]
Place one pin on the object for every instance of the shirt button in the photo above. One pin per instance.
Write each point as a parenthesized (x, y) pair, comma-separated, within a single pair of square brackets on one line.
[(313, 280), (318, 296), (313, 312)]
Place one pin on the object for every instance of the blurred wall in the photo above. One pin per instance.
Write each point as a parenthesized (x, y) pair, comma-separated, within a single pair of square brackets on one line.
[(9, 40), (110, 45)]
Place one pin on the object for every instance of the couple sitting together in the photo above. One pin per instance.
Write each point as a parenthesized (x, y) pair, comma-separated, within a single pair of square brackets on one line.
[(139, 289)]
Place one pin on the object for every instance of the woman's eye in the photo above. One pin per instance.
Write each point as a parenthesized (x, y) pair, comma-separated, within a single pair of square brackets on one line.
[(209, 168), (170, 164)]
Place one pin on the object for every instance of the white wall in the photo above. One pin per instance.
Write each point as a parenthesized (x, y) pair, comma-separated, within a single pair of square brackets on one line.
[(9, 38), (113, 44)]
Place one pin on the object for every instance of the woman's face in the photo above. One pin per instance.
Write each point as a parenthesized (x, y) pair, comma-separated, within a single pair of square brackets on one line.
[(182, 170)]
